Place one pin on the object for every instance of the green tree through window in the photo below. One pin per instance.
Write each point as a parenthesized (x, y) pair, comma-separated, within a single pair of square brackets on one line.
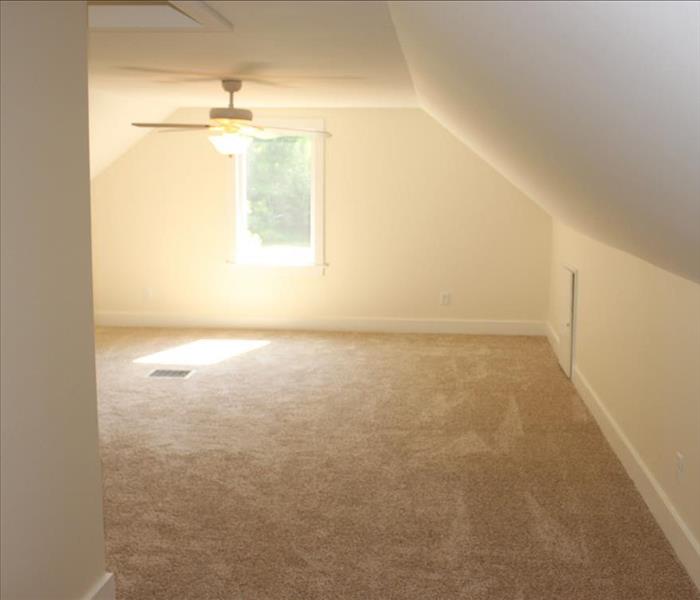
[(279, 190)]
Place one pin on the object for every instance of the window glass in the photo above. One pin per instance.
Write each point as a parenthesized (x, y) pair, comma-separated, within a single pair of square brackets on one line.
[(276, 189), (279, 191)]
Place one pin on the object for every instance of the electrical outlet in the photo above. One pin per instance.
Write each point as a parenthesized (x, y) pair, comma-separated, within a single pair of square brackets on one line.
[(147, 294), (445, 298), (680, 465)]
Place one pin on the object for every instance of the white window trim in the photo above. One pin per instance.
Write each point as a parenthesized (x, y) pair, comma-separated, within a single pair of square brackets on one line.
[(317, 201)]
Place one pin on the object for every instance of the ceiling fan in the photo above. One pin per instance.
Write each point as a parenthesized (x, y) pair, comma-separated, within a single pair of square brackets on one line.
[(232, 128), (256, 72)]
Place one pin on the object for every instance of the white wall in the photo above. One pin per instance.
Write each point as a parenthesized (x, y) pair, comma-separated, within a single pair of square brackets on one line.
[(637, 363), (410, 212), (52, 533)]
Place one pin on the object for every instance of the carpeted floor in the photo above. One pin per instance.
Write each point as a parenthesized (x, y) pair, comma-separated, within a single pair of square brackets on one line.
[(363, 467)]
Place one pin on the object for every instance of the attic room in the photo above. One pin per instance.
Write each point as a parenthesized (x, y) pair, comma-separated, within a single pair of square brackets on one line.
[(354, 300)]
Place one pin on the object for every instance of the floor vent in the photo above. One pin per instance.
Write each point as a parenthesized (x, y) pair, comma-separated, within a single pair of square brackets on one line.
[(171, 373)]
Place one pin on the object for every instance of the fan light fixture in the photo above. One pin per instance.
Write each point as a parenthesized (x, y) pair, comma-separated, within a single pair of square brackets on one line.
[(230, 143), (233, 127)]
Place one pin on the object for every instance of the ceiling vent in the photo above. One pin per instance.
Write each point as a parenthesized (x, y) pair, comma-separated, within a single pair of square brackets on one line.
[(136, 15)]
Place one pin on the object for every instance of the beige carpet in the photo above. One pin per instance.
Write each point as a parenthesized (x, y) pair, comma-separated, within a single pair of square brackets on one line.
[(358, 466)]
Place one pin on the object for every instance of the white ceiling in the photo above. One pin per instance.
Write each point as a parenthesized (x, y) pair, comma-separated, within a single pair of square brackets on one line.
[(591, 108), (317, 54)]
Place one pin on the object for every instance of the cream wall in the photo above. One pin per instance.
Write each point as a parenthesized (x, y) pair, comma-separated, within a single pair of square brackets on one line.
[(410, 212), (51, 505), (637, 362)]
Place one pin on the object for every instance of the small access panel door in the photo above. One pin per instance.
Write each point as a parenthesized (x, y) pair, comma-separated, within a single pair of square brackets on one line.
[(566, 288)]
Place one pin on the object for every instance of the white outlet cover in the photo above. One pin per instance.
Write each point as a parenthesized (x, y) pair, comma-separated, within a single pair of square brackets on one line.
[(680, 466), (680, 462)]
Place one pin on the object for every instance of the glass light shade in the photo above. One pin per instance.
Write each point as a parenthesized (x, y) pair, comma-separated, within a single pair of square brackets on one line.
[(230, 143)]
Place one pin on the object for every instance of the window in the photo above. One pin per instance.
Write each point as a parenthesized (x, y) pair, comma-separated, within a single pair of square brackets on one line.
[(279, 199)]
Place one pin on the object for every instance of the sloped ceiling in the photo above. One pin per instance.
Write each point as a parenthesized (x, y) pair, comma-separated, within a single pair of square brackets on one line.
[(289, 54), (111, 115), (591, 108)]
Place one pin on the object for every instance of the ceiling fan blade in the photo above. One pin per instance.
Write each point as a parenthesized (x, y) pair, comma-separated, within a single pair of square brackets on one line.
[(315, 77), (263, 72), (188, 79), (202, 78), (156, 71), (294, 129), (182, 129), (172, 125), (258, 81), (251, 72), (257, 133), (252, 67)]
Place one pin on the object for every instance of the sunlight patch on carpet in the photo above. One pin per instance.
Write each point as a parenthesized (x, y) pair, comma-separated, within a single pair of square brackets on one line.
[(202, 352)]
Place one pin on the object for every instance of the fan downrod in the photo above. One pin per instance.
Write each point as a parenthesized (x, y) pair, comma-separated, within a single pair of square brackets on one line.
[(231, 113)]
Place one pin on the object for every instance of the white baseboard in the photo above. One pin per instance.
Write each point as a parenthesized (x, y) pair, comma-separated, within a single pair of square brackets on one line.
[(553, 338), (104, 589), (379, 325), (674, 527)]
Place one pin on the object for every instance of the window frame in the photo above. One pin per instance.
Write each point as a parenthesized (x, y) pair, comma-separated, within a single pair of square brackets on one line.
[(317, 208)]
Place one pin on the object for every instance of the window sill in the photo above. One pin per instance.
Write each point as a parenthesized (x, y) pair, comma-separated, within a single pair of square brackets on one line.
[(272, 268)]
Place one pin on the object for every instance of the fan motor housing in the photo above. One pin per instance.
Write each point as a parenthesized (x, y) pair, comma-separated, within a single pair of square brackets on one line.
[(241, 114)]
